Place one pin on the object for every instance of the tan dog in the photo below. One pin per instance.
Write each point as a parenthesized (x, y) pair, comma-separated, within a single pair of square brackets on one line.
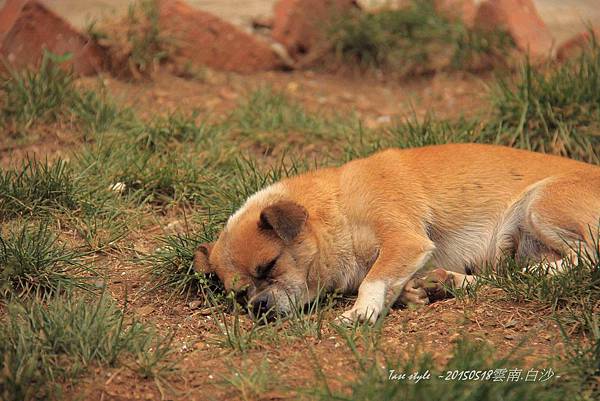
[(372, 223)]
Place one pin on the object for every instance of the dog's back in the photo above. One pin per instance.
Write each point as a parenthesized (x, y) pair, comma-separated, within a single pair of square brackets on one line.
[(475, 201)]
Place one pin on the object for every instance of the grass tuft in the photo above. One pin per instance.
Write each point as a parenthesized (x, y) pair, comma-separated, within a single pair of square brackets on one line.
[(136, 45), (171, 264), (268, 110), (37, 96), (33, 260), (250, 383), (573, 297), (378, 378), (415, 39), (176, 128), (45, 342), (555, 111), (574, 291), (37, 187), (48, 95)]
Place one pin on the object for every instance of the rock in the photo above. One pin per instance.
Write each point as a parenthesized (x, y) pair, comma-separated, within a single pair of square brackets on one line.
[(301, 25), (99, 283), (574, 46), (27, 27), (228, 94), (195, 304), (520, 19), (206, 40), (461, 10), (145, 310)]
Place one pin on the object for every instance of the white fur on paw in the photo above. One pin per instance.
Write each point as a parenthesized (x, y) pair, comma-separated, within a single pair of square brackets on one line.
[(360, 314)]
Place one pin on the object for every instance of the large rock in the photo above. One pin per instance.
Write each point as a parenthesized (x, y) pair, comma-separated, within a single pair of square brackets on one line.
[(27, 28), (575, 45), (301, 25), (204, 39), (461, 10), (521, 20)]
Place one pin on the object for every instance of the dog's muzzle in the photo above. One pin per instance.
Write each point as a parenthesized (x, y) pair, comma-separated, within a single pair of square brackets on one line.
[(262, 306)]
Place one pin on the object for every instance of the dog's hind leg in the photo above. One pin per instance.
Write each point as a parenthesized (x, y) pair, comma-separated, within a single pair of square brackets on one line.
[(435, 285), (564, 216)]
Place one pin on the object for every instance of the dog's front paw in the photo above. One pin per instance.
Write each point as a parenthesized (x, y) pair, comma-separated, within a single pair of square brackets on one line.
[(359, 314)]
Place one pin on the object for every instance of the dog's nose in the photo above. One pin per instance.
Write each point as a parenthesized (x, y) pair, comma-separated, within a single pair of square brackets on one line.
[(260, 305)]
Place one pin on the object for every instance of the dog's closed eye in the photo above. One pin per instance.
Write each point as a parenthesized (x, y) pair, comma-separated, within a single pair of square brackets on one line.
[(263, 271)]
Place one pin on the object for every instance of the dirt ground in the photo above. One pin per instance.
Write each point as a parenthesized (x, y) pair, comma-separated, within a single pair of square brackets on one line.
[(434, 328), (491, 318), (375, 101)]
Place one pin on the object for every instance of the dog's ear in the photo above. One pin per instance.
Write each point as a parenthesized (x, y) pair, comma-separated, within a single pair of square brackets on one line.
[(285, 218), (201, 263)]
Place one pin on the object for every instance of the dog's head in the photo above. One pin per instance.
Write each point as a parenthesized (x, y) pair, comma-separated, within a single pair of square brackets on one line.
[(265, 253)]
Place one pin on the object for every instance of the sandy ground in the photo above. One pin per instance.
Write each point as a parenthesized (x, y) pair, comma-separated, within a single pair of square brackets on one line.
[(492, 319)]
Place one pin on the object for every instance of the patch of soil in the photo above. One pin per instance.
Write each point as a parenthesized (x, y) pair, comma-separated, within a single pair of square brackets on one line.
[(47, 141), (216, 93), (376, 102), (434, 328), (292, 365)]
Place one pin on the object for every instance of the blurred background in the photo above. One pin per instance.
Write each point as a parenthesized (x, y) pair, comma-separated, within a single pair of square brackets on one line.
[(563, 17)]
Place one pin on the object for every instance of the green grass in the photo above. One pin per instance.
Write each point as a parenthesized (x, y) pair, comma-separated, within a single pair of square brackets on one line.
[(161, 132), (237, 332), (574, 294), (101, 224), (555, 111), (171, 164), (171, 264), (33, 260), (143, 176), (46, 342), (414, 40), (147, 45), (432, 131), (37, 96), (269, 117), (573, 298), (582, 363), (49, 95), (269, 110), (163, 162), (53, 190), (373, 381), (37, 187), (250, 382)]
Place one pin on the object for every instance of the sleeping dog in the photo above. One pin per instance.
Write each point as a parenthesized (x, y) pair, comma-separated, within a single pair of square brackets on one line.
[(371, 224)]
